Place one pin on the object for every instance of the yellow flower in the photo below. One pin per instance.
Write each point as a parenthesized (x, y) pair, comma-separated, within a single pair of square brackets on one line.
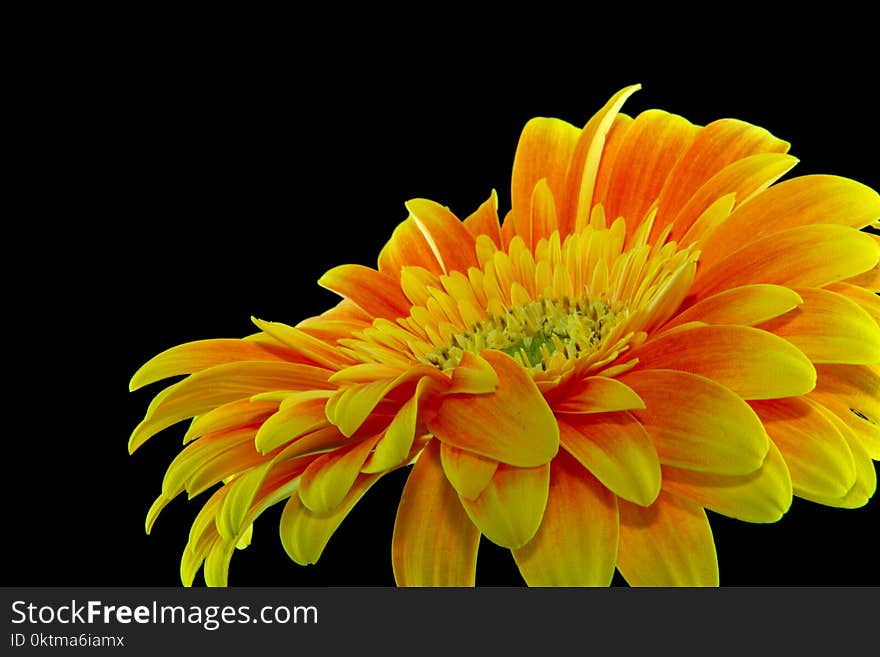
[(655, 329)]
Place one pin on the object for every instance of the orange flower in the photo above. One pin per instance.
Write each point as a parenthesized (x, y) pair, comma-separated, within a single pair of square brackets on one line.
[(654, 329)]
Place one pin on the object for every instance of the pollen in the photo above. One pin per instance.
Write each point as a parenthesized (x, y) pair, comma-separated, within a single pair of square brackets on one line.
[(537, 334)]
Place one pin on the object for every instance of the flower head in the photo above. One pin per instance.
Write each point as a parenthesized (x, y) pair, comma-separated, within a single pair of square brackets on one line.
[(654, 329)]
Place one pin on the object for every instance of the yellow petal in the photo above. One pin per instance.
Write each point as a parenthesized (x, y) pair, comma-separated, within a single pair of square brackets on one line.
[(304, 533), (747, 305), (666, 544), (698, 424), (616, 449), (221, 384), (829, 328), (329, 478), (818, 457), (584, 165), (763, 496), (468, 473), (852, 392), (291, 422), (305, 345), (230, 416), (202, 354), (753, 363), (576, 544), (597, 394), (806, 256), (513, 425), (473, 375), (509, 511), (434, 541), (817, 199), (407, 247), (868, 301), (484, 220)]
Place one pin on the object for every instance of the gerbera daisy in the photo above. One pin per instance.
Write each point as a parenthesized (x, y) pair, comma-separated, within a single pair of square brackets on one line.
[(653, 330)]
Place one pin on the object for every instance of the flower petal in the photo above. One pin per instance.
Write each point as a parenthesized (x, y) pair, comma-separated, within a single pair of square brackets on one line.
[(818, 458), (434, 542), (742, 178), (329, 478), (376, 293), (717, 145), (304, 533), (807, 256), (202, 354), (509, 511), (817, 199), (575, 208), (484, 220), (407, 248), (666, 544), (698, 424), (292, 421), (868, 301), (473, 375), (544, 150), (852, 392), (218, 385), (597, 394), (450, 241), (829, 328), (513, 425), (747, 305), (762, 496), (753, 363), (305, 345), (576, 544), (651, 147), (616, 449), (468, 473), (230, 416)]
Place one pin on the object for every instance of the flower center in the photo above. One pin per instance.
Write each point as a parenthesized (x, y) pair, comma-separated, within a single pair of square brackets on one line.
[(534, 333)]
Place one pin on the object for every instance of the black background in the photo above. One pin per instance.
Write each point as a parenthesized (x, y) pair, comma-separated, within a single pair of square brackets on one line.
[(174, 187)]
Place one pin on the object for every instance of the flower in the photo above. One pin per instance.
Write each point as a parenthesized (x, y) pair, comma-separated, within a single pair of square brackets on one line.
[(655, 329)]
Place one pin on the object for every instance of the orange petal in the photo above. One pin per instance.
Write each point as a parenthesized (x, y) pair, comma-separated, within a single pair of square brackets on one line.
[(817, 199), (807, 256), (829, 328), (753, 363), (653, 144), (468, 473), (230, 416), (576, 206), (434, 541), (509, 511), (450, 241), (484, 220), (818, 458), (616, 449), (473, 375), (304, 533), (743, 178), (717, 145), (210, 388), (513, 424), (597, 394), (852, 392), (202, 354), (762, 496), (329, 478), (543, 152), (747, 305), (303, 416), (407, 248), (698, 424), (576, 544), (666, 544), (305, 345), (869, 301), (376, 293), (613, 141), (542, 215)]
